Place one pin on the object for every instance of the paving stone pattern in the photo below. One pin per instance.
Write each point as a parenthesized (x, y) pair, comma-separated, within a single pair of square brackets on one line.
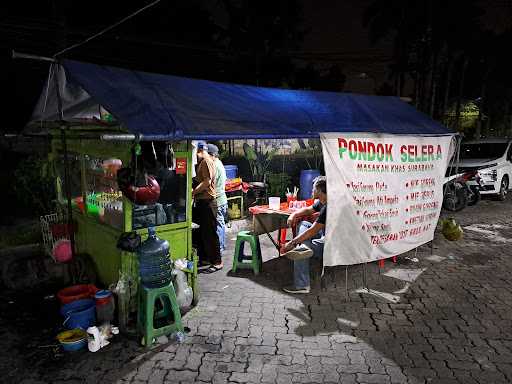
[(451, 325)]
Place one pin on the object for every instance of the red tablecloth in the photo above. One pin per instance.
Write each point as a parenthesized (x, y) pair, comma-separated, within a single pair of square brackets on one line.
[(283, 209), (233, 186), (263, 214)]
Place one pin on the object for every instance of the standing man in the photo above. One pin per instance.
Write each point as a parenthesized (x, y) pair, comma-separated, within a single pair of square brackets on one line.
[(206, 208), (310, 240), (220, 197)]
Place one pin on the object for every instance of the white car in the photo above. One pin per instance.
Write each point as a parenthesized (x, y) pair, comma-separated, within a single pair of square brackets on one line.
[(492, 158)]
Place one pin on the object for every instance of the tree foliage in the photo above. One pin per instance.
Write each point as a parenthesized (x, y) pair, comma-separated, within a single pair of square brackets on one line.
[(34, 187), (434, 41)]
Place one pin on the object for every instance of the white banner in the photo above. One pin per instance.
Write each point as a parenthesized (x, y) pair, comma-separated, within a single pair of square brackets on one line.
[(384, 194)]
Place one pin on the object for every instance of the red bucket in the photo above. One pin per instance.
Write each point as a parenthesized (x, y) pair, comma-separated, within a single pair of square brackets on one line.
[(76, 292)]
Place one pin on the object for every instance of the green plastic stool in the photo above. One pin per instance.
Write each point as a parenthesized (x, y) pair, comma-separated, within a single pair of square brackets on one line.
[(147, 315), (240, 260)]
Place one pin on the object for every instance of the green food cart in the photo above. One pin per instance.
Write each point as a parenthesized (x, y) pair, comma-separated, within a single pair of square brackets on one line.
[(100, 213)]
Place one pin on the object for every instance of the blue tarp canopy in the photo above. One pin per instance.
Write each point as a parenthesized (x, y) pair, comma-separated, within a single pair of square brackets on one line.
[(170, 107)]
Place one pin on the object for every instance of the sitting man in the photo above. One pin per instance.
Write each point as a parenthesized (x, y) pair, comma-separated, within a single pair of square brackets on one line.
[(310, 239)]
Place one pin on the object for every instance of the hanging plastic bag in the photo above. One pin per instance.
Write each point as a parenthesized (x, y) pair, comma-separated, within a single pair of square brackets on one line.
[(184, 293), (181, 264), (129, 241)]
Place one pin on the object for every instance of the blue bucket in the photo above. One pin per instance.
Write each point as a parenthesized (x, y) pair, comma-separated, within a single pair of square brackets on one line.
[(79, 314), (231, 171)]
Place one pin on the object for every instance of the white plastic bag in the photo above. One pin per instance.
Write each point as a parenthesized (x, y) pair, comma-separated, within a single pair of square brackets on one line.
[(184, 293), (180, 264)]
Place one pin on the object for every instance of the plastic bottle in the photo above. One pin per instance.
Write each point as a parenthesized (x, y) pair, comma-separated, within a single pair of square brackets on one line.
[(93, 339), (180, 337), (154, 261)]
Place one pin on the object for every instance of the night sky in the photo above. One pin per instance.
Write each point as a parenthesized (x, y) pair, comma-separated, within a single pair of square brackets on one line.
[(335, 35)]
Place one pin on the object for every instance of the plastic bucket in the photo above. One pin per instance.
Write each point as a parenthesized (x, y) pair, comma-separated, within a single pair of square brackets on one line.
[(105, 306), (72, 340), (103, 297), (306, 182), (74, 346), (231, 171), (76, 292), (62, 251), (79, 314)]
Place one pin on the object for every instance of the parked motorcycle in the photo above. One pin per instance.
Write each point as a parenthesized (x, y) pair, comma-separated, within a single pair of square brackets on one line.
[(474, 189), (458, 193)]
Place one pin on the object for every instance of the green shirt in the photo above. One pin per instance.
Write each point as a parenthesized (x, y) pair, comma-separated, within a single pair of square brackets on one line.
[(220, 183)]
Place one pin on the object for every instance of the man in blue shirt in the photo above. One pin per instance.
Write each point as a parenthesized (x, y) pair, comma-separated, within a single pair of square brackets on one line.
[(310, 239)]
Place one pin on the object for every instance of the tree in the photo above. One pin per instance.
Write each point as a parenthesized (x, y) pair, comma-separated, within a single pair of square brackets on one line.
[(259, 34), (428, 36)]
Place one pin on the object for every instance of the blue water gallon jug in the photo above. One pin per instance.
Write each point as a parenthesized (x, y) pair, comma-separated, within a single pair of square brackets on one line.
[(231, 171), (306, 182), (154, 261)]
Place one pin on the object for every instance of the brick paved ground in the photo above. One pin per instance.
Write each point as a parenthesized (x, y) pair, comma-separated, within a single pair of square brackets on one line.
[(449, 324)]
